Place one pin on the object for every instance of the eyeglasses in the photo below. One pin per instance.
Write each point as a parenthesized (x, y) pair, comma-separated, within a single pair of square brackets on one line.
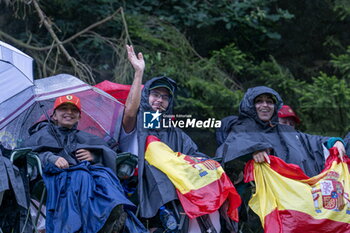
[(157, 95)]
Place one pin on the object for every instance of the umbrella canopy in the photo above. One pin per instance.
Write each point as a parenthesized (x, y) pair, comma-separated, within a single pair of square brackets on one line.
[(101, 113), (16, 71), (118, 91), (16, 80)]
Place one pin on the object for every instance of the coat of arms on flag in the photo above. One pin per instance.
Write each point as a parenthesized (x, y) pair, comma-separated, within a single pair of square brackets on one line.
[(287, 200)]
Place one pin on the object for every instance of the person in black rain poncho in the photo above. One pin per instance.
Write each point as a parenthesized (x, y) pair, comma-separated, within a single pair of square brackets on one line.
[(257, 133), (83, 193), (154, 188)]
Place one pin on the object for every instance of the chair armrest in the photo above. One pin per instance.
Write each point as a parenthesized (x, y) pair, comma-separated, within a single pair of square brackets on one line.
[(31, 156)]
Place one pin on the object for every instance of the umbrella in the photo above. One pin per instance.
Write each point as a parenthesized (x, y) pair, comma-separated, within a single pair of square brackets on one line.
[(118, 91), (16, 81), (16, 71), (101, 113)]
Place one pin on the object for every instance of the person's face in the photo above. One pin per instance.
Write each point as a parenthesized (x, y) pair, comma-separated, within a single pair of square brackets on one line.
[(287, 121), (66, 115), (159, 99), (264, 106)]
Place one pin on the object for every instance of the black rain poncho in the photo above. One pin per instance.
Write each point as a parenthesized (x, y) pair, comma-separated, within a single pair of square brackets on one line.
[(154, 187), (14, 195), (10, 178), (81, 197), (49, 145), (250, 134)]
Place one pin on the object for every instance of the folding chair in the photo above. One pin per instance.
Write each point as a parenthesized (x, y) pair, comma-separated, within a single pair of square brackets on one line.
[(126, 163), (33, 168)]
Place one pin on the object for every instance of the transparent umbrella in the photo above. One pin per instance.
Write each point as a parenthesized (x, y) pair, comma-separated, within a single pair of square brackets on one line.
[(101, 113)]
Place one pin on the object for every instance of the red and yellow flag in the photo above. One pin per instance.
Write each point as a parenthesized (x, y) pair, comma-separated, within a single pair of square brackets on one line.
[(202, 185), (287, 200)]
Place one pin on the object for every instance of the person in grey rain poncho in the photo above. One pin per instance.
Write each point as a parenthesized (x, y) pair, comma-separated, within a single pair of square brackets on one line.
[(257, 133)]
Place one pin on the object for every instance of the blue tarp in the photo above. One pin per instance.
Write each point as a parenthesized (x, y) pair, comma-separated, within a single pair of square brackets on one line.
[(81, 197)]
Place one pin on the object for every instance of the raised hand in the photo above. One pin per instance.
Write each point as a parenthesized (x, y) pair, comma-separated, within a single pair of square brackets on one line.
[(133, 101), (136, 61)]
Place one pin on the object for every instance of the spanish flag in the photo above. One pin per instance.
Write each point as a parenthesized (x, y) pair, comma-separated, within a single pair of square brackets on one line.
[(202, 185), (287, 200)]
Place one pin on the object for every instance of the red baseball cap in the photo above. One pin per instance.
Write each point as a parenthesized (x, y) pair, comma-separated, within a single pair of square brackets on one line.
[(71, 99), (287, 111)]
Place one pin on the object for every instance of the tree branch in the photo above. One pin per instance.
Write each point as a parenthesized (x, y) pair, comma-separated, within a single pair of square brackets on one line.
[(48, 26), (125, 26), (24, 45), (82, 70)]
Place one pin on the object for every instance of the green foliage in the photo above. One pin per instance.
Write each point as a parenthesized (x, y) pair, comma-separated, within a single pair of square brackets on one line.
[(255, 14), (342, 7), (342, 63), (170, 56), (325, 105), (201, 82), (206, 99), (231, 36), (270, 73), (231, 60)]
